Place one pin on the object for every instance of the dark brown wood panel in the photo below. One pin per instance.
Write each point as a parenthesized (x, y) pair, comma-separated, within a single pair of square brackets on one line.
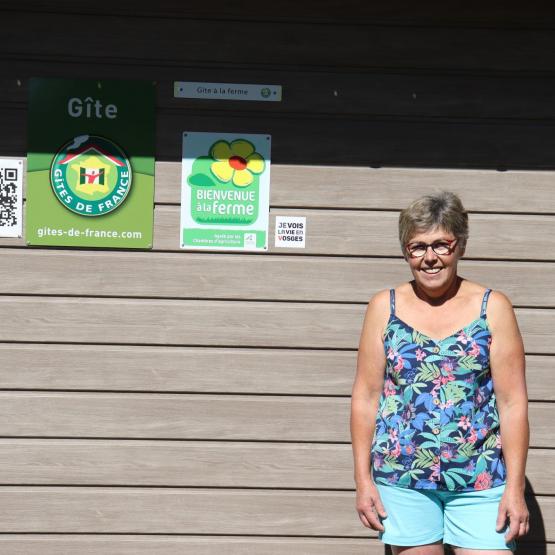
[(349, 140), (433, 12), (368, 93), (250, 42)]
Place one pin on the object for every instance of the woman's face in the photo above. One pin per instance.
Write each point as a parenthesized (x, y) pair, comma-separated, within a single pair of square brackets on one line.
[(434, 272)]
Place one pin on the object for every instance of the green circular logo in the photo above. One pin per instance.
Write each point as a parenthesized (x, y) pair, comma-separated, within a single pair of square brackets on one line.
[(265, 92), (91, 175)]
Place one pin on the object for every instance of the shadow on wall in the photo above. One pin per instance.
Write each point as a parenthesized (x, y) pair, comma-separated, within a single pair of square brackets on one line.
[(537, 530)]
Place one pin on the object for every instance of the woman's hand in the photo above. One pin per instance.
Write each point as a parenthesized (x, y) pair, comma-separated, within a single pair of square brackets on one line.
[(513, 506), (369, 506)]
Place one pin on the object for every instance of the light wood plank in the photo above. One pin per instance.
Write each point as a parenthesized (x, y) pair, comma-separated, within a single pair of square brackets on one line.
[(216, 323), (130, 510), (198, 275), (202, 464), (358, 188), (177, 369), (369, 233), (58, 544), (176, 322), (101, 544), (206, 370), (187, 416), (374, 233), (389, 188)]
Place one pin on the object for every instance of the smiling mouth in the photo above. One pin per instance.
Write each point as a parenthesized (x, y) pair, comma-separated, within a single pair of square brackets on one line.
[(431, 270)]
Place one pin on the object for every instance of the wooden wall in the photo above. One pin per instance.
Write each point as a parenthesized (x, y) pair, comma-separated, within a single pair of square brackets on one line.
[(169, 402)]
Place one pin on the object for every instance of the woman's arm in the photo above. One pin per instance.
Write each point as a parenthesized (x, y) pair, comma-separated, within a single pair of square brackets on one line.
[(509, 385), (367, 389)]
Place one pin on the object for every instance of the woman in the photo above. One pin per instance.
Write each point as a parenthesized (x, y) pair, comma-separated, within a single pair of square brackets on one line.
[(439, 388)]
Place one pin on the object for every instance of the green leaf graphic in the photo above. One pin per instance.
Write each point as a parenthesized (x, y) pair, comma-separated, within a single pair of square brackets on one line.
[(200, 180)]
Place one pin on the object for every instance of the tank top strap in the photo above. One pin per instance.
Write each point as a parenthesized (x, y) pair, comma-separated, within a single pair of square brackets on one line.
[(392, 301), (485, 303)]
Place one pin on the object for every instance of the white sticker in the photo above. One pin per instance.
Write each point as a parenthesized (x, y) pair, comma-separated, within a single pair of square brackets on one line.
[(11, 197), (290, 232)]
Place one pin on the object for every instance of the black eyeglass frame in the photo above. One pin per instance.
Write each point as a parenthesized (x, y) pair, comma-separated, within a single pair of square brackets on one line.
[(449, 242)]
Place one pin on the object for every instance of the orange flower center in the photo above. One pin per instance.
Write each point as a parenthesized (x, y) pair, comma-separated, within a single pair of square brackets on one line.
[(237, 163)]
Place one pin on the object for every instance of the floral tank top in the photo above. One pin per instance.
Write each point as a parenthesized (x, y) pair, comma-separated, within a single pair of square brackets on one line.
[(437, 425)]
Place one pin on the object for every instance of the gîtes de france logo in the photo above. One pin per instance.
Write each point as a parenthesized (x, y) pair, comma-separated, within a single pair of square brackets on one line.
[(91, 175)]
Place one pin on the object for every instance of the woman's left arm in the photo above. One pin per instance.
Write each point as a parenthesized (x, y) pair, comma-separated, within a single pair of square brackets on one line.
[(509, 383)]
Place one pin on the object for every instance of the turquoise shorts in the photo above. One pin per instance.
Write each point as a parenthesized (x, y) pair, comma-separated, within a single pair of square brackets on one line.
[(459, 518)]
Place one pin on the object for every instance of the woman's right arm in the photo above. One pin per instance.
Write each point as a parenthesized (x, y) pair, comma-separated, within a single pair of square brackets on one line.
[(365, 397)]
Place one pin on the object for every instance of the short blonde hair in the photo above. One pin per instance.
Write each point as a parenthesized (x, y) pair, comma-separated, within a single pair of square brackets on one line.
[(441, 209)]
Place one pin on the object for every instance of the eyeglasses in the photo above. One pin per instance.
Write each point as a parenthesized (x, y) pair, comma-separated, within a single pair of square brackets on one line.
[(442, 248)]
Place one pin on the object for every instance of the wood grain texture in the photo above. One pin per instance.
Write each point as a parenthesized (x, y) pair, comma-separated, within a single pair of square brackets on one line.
[(337, 92), (374, 233), (244, 42), (364, 233), (215, 323), (300, 186), (199, 511), (348, 140), (283, 278), (385, 188), (59, 544), (201, 464), (189, 416), (203, 370), (181, 369), (495, 14)]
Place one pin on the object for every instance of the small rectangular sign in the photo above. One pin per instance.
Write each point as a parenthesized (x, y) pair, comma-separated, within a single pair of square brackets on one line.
[(227, 91), (11, 197), (290, 232)]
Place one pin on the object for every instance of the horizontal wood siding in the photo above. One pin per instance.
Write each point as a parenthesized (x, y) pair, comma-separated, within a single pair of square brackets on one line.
[(190, 511), (143, 544), (197, 403), (201, 369), (190, 463)]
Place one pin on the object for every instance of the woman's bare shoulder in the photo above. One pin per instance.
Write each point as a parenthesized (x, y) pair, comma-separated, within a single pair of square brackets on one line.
[(499, 305), (379, 301), (378, 309)]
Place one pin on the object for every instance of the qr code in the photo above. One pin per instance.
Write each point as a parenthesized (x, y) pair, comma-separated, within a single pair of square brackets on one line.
[(9, 197)]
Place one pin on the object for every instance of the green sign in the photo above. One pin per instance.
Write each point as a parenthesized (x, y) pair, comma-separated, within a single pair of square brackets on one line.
[(225, 191), (90, 165)]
